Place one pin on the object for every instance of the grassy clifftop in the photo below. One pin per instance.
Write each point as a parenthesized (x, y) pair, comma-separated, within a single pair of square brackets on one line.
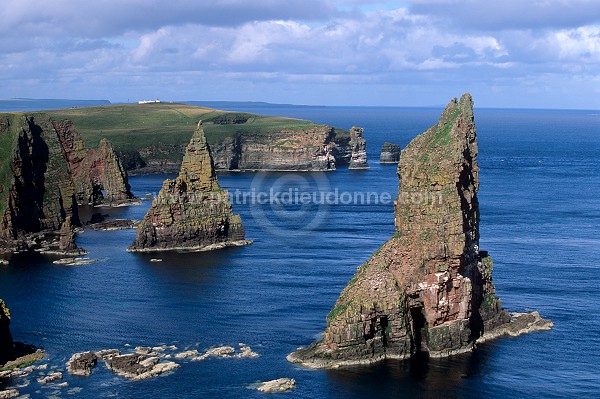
[(130, 127)]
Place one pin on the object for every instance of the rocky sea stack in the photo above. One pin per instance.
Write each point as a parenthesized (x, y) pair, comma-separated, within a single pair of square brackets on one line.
[(358, 145), (390, 153), (429, 288), (191, 212)]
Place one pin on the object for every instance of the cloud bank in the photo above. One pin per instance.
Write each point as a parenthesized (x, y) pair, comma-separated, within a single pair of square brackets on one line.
[(354, 52)]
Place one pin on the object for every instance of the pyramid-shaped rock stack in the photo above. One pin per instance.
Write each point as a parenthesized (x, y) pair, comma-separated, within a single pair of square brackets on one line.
[(191, 212), (429, 288)]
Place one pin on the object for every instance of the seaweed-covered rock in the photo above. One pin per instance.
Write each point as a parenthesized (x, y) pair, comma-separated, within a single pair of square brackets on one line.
[(429, 288), (191, 212)]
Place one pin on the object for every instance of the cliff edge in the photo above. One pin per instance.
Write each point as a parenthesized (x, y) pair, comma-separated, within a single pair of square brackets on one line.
[(45, 171), (191, 212), (429, 288)]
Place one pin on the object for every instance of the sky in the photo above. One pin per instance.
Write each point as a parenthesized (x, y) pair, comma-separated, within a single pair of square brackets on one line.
[(507, 54)]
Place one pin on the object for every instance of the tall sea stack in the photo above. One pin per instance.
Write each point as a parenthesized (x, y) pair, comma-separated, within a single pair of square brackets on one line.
[(358, 144), (191, 212), (429, 288)]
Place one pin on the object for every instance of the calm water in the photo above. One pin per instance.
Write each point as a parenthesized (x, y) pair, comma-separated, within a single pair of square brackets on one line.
[(540, 221)]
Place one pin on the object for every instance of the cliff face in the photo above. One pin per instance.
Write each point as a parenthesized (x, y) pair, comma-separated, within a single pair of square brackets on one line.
[(97, 174), (358, 146), (390, 153), (44, 170), (193, 211), (6, 340), (318, 148), (429, 288), (307, 149), (40, 192)]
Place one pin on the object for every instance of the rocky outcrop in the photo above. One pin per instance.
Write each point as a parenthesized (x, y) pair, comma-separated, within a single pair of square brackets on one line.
[(278, 385), (6, 340), (429, 288), (358, 145), (390, 153), (97, 173), (138, 367), (44, 172), (191, 212), (82, 363)]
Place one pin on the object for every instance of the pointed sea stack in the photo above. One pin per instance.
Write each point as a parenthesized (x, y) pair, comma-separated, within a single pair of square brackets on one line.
[(429, 288), (191, 212), (358, 144)]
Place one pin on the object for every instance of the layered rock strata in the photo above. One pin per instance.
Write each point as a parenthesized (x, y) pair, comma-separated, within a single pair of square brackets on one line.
[(358, 146), (429, 288), (191, 212), (97, 173), (44, 172), (390, 153), (307, 149)]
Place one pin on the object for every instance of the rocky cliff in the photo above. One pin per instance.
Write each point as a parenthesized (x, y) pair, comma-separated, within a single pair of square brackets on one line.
[(6, 340), (358, 146), (191, 212), (429, 288), (390, 153), (97, 173), (43, 170), (306, 149)]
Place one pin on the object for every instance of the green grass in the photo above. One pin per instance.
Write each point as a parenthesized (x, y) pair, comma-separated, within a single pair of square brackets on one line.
[(130, 127), (9, 132)]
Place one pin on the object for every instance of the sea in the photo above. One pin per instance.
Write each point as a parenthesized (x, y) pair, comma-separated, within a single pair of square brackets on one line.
[(540, 221)]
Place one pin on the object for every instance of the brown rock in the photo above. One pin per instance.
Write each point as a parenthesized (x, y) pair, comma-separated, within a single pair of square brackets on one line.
[(429, 288), (191, 212)]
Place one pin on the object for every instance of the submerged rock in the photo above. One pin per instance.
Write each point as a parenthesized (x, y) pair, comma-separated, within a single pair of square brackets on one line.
[(278, 385), (429, 288), (50, 378), (390, 153), (9, 393), (358, 144), (191, 212)]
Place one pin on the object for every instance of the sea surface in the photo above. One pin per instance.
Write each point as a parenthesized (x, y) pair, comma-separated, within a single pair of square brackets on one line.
[(540, 220)]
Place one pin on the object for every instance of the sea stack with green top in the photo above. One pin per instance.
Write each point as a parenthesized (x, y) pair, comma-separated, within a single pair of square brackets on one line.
[(428, 288), (191, 212)]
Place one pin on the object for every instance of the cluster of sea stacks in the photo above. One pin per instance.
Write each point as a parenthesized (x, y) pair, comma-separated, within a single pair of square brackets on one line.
[(429, 288)]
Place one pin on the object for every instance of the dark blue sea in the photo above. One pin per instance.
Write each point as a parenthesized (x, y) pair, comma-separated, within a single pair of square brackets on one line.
[(540, 220)]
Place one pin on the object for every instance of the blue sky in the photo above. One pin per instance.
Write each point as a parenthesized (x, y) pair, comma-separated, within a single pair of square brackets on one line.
[(511, 53)]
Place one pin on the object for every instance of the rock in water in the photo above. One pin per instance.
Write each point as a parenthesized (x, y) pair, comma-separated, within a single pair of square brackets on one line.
[(191, 212), (6, 340), (390, 153), (429, 288), (278, 385), (358, 144)]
